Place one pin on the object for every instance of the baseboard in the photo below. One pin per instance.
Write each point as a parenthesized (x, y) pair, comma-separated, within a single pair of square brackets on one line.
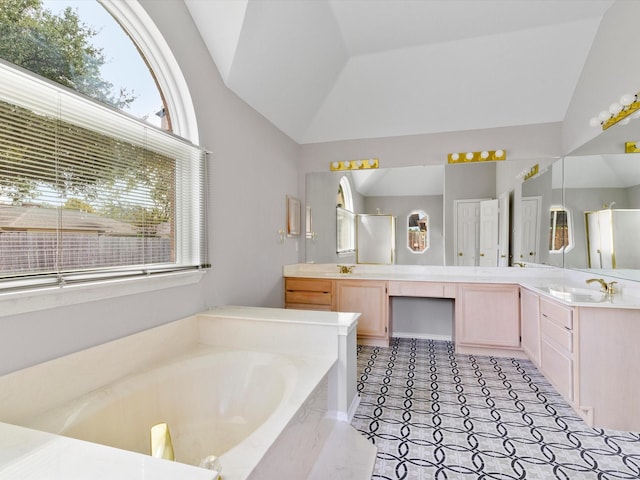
[(348, 415), (423, 336)]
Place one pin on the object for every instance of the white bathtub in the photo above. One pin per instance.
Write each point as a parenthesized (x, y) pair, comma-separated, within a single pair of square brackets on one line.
[(268, 412), (212, 399)]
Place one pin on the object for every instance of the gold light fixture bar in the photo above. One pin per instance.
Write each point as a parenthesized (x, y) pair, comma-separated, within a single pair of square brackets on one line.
[(632, 147), (532, 171), (354, 164), (618, 112), (626, 111), (484, 156)]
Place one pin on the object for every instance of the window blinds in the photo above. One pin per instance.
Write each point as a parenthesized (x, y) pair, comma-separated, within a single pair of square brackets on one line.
[(89, 192)]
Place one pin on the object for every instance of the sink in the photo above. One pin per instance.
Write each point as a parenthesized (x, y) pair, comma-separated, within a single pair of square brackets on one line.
[(575, 294)]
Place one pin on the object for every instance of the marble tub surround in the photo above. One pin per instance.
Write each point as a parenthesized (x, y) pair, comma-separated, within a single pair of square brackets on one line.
[(534, 276), (323, 394)]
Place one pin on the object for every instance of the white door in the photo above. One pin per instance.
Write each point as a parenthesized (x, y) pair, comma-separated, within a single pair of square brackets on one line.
[(503, 230), (467, 232), (488, 241), (593, 240), (530, 230)]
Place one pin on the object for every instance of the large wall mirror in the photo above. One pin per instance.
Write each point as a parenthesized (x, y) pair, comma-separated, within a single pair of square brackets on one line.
[(602, 189)]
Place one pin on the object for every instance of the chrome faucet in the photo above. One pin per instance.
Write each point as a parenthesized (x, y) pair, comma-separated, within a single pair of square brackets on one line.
[(606, 287)]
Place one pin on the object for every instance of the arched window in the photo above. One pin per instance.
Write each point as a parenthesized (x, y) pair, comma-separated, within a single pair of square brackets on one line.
[(345, 219), (87, 191)]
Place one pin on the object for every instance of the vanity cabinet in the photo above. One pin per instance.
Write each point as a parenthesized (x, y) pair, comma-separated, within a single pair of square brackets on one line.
[(308, 293), (556, 346), (370, 298), (530, 325), (487, 315)]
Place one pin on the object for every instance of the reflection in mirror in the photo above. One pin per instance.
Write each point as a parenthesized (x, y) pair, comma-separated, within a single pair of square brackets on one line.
[(603, 192), (417, 234), (393, 191)]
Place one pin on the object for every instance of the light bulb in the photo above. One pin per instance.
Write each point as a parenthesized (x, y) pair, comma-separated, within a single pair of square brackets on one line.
[(335, 165), (499, 153), (625, 121), (455, 156), (604, 115), (635, 115), (359, 163), (627, 99), (615, 108), (484, 155), (594, 122), (469, 156)]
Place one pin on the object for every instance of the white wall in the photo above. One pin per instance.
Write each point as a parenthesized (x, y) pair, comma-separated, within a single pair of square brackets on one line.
[(609, 72), (252, 168)]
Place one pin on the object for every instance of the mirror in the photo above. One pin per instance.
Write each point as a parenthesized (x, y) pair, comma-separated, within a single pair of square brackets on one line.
[(600, 178), (392, 191)]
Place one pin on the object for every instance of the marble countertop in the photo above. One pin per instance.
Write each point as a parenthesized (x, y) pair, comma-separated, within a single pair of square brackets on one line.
[(566, 286)]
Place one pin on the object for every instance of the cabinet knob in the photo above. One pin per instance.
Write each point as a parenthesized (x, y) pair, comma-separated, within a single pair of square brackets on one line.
[(531, 253), (482, 254), (459, 254)]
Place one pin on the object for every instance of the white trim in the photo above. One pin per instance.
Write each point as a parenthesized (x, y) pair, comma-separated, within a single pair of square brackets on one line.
[(137, 23), (13, 303)]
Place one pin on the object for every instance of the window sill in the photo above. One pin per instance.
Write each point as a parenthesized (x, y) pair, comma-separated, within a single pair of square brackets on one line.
[(13, 303)]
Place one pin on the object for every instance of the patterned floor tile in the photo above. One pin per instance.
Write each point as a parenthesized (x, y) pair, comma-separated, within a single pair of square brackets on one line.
[(437, 415)]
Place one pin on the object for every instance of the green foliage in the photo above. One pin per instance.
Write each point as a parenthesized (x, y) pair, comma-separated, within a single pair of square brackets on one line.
[(56, 47)]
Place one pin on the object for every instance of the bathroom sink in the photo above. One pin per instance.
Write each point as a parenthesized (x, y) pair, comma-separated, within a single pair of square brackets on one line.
[(575, 294)]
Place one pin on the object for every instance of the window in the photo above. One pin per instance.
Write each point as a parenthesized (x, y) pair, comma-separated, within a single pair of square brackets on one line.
[(417, 231), (560, 235), (89, 193), (345, 219)]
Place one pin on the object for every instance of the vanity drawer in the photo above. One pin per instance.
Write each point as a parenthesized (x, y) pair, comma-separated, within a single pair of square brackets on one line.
[(308, 285), (559, 314), (416, 289), (557, 334)]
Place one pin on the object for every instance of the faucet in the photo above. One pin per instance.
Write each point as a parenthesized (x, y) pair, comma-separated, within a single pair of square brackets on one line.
[(606, 287), (161, 445), (346, 268), (520, 264)]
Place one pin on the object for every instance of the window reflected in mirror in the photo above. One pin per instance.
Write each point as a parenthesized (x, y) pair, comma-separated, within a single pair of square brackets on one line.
[(560, 236), (417, 231)]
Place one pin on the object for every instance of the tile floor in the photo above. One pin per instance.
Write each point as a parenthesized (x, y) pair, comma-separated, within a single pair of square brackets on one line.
[(437, 415)]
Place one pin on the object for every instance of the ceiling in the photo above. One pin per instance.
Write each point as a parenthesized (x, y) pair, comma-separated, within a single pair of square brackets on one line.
[(327, 70)]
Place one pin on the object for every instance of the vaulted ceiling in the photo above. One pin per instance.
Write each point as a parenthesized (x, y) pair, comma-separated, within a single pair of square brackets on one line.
[(326, 70)]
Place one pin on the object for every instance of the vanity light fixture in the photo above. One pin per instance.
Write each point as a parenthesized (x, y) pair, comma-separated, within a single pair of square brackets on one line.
[(632, 147), (484, 156), (354, 164), (626, 109)]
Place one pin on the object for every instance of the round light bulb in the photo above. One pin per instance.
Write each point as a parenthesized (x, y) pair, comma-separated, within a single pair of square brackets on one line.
[(635, 115), (604, 115), (615, 108), (625, 121), (627, 99), (359, 163), (469, 156), (455, 156), (499, 153), (594, 122), (335, 165), (484, 155)]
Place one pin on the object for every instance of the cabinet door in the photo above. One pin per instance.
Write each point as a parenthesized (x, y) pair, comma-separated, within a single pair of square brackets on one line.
[(488, 315), (530, 312), (368, 298)]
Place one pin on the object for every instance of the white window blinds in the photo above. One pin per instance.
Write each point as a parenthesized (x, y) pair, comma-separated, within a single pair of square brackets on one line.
[(87, 192)]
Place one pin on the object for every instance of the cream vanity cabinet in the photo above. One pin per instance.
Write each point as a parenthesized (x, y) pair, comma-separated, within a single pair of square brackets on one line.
[(556, 346), (530, 325), (370, 298), (308, 293), (487, 316)]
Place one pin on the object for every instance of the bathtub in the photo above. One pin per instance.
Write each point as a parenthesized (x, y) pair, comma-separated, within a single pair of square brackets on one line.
[(267, 410), (213, 400)]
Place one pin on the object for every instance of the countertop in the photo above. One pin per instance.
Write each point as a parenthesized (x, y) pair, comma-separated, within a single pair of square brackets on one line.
[(565, 286)]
